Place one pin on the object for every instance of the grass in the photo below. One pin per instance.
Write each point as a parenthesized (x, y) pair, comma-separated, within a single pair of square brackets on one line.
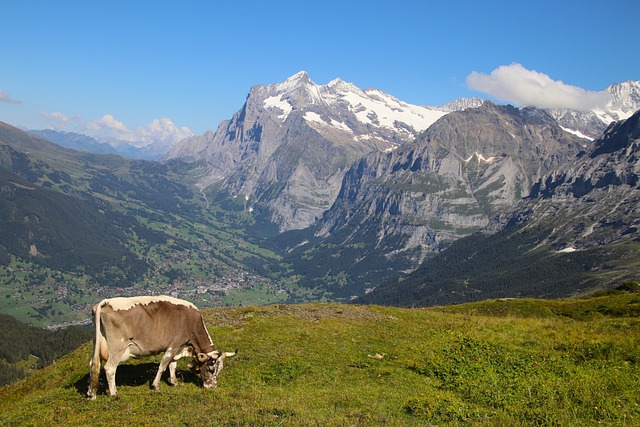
[(499, 363)]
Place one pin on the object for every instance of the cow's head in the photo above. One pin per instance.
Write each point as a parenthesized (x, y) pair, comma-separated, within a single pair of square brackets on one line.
[(210, 365)]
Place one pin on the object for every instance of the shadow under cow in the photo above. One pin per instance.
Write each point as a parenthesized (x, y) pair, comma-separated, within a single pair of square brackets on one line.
[(135, 376)]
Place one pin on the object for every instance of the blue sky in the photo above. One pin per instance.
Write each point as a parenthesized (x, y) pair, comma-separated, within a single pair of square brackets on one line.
[(79, 65)]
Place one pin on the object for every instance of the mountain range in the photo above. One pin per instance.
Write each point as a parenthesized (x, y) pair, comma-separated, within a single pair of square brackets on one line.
[(624, 100), (287, 150), (348, 193), (364, 187)]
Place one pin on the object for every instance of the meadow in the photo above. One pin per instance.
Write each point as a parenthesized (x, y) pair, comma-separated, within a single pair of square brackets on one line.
[(494, 363)]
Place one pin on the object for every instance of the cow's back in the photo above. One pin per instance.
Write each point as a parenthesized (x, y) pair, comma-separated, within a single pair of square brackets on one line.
[(149, 325)]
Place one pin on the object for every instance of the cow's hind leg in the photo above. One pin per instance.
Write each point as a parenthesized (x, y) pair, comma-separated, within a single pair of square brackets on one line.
[(94, 375), (110, 372), (167, 359), (116, 355)]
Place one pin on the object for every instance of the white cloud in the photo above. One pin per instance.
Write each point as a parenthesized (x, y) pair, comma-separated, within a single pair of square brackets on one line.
[(515, 84), (108, 127), (163, 131), (159, 131), (4, 97)]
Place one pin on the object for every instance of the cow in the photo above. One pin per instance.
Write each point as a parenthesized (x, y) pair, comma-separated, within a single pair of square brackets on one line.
[(148, 325)]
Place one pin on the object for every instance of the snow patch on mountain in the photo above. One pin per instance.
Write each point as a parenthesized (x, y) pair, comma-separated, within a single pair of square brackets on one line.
[(577, 133), (480, 158), (279, 103)]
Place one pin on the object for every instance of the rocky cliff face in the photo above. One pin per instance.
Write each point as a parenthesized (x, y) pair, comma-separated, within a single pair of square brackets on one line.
[(594, 200), (577, 232), (467, 167), (290, 145)]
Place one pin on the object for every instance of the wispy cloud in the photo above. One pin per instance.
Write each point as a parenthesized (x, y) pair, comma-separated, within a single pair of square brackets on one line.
[(58, 121), (4, 97), (514, 83)]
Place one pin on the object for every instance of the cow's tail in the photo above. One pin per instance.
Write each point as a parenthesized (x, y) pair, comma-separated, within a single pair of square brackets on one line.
[(94, 364)]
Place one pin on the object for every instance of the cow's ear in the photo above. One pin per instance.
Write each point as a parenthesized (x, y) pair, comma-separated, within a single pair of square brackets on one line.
[(202, 357)]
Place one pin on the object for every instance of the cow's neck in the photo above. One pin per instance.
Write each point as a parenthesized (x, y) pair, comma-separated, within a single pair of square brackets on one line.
[(202, 340), (208, 349)]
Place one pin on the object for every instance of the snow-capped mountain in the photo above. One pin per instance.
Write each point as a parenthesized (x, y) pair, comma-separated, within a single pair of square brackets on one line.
[(290, 145), (624, 101), (153, 149), (365, 115)]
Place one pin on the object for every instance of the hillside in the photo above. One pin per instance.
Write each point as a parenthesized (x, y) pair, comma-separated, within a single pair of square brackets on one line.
[(517, 362), (75, 227)]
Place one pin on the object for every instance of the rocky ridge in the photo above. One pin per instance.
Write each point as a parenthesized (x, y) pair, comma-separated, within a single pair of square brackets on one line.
[(578, 231), (406, 205), (594, 200)]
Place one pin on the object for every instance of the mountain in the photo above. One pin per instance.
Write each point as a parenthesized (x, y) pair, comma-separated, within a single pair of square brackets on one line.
[(71, 232), (75, 141), (578, 230), (397, 208), (286, 151), (132, 150), (460, 104), (624, 101), (141, 150)]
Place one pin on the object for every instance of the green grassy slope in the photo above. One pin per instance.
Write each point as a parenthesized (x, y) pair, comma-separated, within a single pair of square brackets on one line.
[(314, 364)]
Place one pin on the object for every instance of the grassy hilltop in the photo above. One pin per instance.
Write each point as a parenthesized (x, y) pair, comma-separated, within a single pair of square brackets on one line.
[(495, 363)]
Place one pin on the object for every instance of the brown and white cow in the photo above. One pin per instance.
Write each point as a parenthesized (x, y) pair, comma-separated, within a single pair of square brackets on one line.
[(148, 325)]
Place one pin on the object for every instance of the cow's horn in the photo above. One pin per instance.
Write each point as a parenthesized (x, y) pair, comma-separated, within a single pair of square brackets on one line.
[(229, 354), (202, 357)]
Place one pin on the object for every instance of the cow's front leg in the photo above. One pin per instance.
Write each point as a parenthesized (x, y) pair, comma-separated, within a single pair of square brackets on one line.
[(172, 373), (166, 360)]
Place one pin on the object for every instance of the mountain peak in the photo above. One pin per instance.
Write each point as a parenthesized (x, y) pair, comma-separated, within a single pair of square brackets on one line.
[(299, 78)]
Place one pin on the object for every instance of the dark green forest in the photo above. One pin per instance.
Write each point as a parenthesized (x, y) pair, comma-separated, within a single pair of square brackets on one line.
[(506, 264), (19, 341)]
